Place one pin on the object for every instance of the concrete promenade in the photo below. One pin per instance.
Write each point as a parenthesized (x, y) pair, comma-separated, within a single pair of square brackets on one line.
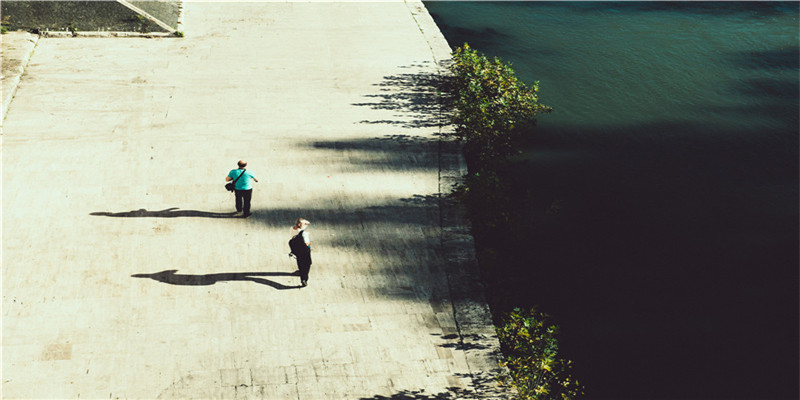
[(124, 272)]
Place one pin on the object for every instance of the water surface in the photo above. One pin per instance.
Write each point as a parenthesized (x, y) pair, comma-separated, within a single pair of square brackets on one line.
[(672, 153)]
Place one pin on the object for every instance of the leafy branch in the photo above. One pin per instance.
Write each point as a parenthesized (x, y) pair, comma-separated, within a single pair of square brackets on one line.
[(531, 348), (491, 105)]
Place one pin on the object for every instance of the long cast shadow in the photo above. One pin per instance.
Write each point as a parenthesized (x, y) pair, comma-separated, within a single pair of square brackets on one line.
[(165, 213), (422, 96), (170, 277), (396, 152)]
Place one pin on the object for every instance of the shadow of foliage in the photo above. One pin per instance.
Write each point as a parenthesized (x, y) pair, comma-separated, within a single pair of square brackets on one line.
[(420, 200), (420, 96), (417, 395), (465, 342), (387, 143), (421, 210), (401, 152), (483, 387)]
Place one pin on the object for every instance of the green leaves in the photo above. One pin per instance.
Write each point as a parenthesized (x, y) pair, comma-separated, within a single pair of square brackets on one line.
[(490, 104), (492, 108), (531, 349)]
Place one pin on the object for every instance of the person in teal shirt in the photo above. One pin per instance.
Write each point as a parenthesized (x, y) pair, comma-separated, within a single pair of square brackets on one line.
[(243, 188)]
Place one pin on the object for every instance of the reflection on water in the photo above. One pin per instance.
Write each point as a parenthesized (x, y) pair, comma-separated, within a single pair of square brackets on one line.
[(672, 152)]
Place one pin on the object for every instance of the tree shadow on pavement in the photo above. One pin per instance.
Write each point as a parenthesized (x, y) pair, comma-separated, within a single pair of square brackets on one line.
[(464, 342), (170, 277), (421, 95), (415, 395), (484, 386), (418, 210), (388, 152), (165, 213)]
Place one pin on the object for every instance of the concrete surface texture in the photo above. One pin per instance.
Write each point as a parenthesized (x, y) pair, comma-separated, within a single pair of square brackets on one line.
[(17, 48), (125, 274)]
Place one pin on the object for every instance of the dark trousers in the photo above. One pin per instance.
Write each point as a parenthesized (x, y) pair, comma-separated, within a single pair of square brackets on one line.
[(304, 265), (304, 271), (243, 200)]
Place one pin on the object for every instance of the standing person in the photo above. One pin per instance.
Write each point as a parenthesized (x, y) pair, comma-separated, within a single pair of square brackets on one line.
[(300, 244), (243, 188)]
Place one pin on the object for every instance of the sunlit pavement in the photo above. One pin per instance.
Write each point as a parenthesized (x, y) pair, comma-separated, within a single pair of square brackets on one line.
[(125, 274)]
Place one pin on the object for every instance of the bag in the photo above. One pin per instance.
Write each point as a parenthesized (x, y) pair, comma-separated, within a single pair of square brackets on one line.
[(231, 186), (298, 245)]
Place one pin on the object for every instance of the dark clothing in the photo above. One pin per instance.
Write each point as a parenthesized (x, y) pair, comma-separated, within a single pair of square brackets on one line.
[(302, 252), (243, 201), (304, 266)]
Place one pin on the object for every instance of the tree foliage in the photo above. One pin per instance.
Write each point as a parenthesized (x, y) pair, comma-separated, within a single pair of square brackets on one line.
[(531, 349), (491, 105), (492, 110)]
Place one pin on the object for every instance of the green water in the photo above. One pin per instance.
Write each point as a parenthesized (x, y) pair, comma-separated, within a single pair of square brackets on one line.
[(605, 64), (673, 153)]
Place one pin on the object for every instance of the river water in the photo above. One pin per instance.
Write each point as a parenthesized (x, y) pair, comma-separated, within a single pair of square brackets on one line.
[(672, 157)]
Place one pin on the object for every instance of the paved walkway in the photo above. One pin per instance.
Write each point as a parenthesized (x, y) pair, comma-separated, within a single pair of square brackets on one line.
[(124, 274)]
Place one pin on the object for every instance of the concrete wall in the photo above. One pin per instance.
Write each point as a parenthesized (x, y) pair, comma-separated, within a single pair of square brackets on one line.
[(87, 15)]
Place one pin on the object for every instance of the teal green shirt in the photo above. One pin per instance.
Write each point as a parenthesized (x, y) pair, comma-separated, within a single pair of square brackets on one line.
[(245, 182)]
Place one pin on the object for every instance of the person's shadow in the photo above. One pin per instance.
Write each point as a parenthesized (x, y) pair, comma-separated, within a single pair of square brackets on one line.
[(165, 213), (170, 277)]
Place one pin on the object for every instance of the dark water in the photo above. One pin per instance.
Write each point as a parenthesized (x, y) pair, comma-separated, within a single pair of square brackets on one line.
[(672, 155)]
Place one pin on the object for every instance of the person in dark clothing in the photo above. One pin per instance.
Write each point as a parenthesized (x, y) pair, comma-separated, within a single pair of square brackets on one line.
[(300, 244)]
